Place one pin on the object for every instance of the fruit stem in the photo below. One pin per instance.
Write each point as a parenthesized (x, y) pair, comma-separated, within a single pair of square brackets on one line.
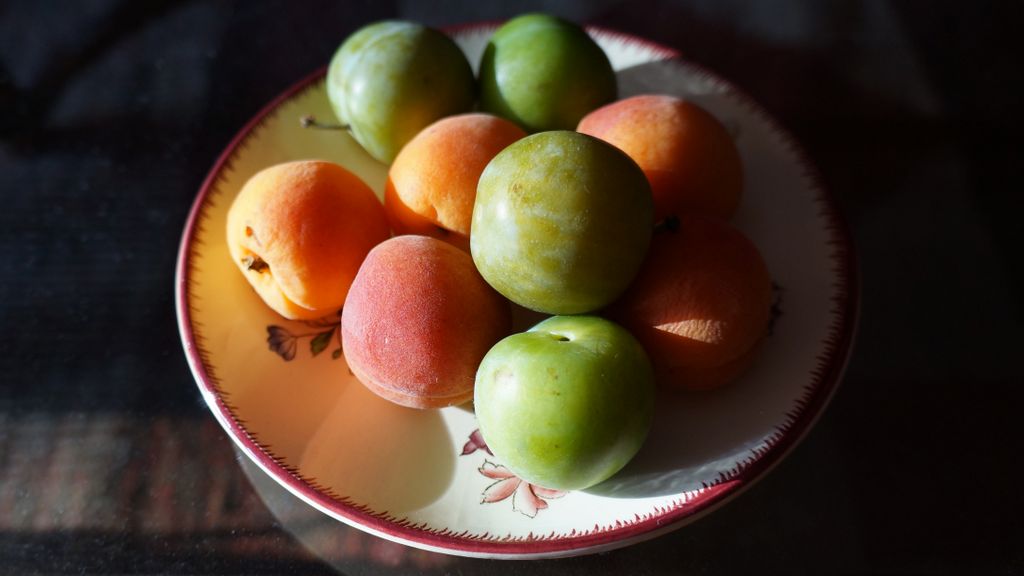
[(310, 121), (254, 263)]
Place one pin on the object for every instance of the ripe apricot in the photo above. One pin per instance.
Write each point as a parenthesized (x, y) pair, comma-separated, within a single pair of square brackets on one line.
[(700, 304), (687, 154), (431, 185), (299, 231), (418, 320)]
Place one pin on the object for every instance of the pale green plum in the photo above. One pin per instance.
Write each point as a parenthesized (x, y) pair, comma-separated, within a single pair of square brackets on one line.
[(561, 222), (391, 79), (566, 404), (544, 73)]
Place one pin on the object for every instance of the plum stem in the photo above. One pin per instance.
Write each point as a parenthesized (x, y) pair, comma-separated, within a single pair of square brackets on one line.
[(310, 121)]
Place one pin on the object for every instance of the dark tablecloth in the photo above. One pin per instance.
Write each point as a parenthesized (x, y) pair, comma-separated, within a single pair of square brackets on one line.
[(112, 112)]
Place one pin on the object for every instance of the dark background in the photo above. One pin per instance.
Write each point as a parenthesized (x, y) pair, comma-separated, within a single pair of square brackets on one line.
[(112, 112)]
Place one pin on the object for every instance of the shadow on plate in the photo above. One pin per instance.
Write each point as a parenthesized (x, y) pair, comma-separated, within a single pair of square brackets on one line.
[(379, 454), (695, 437)]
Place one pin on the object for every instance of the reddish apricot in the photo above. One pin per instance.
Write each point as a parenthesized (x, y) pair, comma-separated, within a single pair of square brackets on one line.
[(700, 304), (299, 231), (418, 320), (686, 153), (431, 185)]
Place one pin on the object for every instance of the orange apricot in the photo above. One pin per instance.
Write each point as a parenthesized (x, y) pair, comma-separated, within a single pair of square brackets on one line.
[(700, 305), (431, 185), (688, 156), (418, 320), (299, 231)]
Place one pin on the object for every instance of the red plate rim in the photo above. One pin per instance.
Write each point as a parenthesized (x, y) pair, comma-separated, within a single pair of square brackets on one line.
[(831, 365)]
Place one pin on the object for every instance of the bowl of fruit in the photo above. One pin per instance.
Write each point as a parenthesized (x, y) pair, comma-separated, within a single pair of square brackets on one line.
[(514, 291)]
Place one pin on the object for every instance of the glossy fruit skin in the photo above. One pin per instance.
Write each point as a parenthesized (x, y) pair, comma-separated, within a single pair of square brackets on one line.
[(391, 79), (544, 73), (561, 223), (566, 404)]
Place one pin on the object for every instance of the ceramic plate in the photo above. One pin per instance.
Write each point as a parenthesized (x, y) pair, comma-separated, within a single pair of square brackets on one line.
[(283, 393)]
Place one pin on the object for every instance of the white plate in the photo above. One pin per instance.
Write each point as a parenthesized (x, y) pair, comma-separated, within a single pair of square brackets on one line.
[(418, 477)]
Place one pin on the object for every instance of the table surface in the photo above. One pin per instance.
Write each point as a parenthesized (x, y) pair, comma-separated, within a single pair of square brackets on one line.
[(112, 112)]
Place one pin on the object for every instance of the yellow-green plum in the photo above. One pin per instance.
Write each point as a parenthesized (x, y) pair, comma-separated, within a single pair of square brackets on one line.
[(566, 404), (391, 79), (544, 73), (561, 222)]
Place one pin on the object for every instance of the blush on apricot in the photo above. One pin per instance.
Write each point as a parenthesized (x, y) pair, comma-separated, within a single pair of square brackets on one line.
[(418, 320), (299, 231), (688, 156), (431, 185), (700, 305)]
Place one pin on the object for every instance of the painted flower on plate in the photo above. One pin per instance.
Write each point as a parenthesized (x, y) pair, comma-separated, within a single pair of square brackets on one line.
[(527, 499)]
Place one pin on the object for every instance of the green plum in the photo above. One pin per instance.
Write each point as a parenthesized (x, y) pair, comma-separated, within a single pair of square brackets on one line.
[(391, 79), (566, 404), (561, 222), (544, 73)]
